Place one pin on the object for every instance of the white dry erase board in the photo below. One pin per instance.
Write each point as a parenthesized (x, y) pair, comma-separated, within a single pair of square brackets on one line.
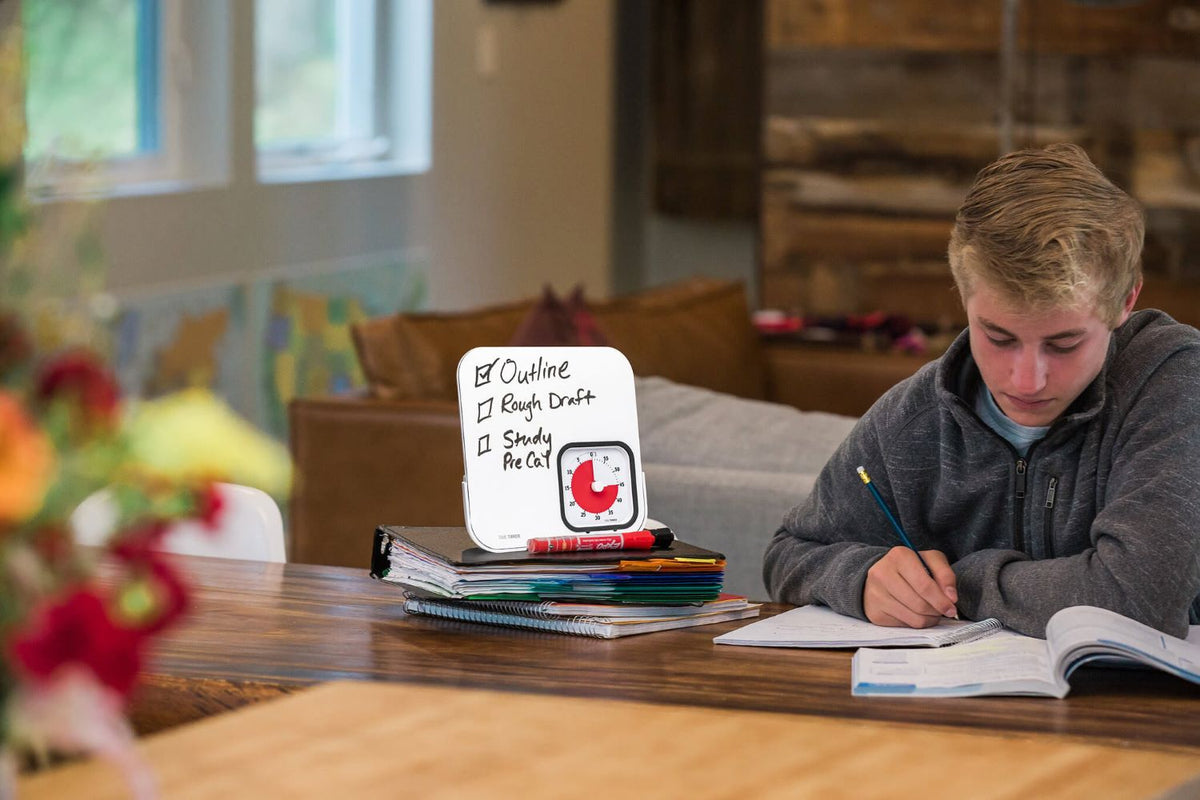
[(550, 444)]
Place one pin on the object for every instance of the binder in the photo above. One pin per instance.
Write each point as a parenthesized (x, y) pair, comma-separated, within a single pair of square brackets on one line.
[(454, 547)]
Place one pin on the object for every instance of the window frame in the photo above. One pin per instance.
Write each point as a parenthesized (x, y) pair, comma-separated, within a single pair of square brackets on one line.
[(199, 129), (188, 45)]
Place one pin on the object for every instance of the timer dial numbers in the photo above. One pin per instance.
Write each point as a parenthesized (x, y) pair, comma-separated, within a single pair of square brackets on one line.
[(598, 486), (594, 486)]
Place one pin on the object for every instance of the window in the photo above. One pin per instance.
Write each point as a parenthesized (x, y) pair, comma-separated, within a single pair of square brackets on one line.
[(79, 52), (125, 95), (136, 95), (342, 84), (315, 75)]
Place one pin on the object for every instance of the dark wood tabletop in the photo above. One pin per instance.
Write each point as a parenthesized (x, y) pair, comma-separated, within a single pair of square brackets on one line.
[(258, 630)]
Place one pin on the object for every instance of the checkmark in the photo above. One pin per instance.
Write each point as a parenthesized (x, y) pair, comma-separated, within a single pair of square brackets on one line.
[(483, 374), (485, 410), (485, 443)]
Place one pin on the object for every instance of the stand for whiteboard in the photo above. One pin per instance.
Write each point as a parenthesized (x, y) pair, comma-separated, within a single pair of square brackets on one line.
[(550, 444)]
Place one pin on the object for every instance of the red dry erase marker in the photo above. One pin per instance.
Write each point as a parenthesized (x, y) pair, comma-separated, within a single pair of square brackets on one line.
[(633, 540)]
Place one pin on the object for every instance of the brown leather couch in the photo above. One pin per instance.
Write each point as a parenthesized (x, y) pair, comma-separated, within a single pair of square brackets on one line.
[(395, 456)]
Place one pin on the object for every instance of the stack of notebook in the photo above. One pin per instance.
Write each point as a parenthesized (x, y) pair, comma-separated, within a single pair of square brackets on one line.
[(591, 593)]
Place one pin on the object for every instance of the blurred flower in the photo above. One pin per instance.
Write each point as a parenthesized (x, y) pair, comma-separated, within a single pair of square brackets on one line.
[(75, 712), (73, 646), (154, 595), (26, 462), (78, 630), (78, 379), (192, 437), (209, 505)]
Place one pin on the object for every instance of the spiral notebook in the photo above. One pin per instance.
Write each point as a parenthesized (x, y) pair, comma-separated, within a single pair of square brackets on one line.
[(515, 614), (818, 626)]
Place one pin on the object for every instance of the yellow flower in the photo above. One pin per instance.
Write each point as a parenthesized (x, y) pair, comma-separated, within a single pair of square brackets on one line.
[(26, 462), (192, 436)]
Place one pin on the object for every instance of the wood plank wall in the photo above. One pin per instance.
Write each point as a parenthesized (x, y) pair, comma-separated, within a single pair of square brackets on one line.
[(878, 113)]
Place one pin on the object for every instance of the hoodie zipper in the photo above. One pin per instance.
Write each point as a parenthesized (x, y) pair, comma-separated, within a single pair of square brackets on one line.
[(1048, 519), (1019, 506)]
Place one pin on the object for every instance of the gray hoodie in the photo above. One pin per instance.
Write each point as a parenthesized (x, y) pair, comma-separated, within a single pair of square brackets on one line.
[(1104, 511)]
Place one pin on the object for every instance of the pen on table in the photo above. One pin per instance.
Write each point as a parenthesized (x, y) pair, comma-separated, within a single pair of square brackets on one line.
[(631, 540), (887, 512)]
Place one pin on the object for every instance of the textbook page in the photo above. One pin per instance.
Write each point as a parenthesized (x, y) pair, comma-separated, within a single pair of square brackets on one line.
[(1082, 634), (818, 626), (1003, 663)]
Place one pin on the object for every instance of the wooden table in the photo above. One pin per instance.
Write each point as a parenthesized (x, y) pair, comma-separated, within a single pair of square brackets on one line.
[(365, 739), (713, 720), (260, 630)]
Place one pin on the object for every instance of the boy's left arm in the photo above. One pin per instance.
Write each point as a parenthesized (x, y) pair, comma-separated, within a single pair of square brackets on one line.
[(1144, 558)]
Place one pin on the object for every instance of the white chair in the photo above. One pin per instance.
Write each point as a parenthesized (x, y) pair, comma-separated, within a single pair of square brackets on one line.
[(249, 526)]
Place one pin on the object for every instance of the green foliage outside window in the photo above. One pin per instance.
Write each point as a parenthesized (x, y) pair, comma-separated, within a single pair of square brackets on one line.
[(81, 92)]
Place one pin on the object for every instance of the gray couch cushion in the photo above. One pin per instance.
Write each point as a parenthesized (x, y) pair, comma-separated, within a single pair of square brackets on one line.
[(722, 471)]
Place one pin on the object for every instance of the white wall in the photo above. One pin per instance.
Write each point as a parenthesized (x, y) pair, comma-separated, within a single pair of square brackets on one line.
[(522, 180)]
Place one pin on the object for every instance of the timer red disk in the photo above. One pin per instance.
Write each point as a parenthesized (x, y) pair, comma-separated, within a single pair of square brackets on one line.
[(581, 490)]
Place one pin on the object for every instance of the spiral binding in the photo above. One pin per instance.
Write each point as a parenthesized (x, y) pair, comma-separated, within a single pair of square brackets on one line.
[(580, 626), (521, 608), (969, 633)]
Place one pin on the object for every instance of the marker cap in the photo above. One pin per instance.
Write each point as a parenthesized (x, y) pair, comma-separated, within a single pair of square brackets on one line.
[(662, 537)]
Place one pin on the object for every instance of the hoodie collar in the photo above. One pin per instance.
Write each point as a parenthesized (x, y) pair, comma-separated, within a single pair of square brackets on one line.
[(957, 375)]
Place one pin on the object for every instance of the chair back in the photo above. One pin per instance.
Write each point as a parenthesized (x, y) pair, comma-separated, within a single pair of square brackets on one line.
[(249, 526)]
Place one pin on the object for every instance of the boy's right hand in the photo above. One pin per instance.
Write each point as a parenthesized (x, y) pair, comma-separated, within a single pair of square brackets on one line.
[(900, 593)]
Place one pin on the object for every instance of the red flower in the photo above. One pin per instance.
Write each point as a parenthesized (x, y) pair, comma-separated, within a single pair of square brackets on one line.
[(78, 630), (137, 544), (170, 596), (156, 596), (79, 377), (209, 505)]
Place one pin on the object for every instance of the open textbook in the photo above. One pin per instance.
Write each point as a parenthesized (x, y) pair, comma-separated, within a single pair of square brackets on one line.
[(1009, 663)]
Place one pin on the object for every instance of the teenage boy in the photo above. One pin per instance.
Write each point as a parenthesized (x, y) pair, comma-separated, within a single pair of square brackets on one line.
[(1050, 458)]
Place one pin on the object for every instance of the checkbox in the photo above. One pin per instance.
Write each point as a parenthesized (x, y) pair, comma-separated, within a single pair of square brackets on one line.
[(485, 410), (483, 374), (485, 443)]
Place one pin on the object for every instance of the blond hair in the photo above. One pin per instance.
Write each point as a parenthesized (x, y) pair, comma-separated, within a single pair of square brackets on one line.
[(1047, 230)]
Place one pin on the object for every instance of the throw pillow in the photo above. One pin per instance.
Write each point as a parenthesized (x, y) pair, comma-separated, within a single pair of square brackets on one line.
[(553, 322), (414, 356), (587, 331)]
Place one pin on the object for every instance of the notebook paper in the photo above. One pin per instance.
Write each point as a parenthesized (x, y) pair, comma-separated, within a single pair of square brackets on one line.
[(818, 626)]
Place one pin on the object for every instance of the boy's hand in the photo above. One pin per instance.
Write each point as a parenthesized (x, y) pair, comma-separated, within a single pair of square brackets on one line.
[(900, 593)]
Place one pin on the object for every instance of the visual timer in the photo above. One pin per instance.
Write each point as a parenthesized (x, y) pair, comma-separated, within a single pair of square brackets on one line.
[(597, 486)]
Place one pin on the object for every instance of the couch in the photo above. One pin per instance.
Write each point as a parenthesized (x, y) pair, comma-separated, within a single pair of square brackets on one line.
[(733, 429)]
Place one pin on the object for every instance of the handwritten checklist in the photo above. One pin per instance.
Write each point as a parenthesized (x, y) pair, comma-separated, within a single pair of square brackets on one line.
[(519, 406)]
